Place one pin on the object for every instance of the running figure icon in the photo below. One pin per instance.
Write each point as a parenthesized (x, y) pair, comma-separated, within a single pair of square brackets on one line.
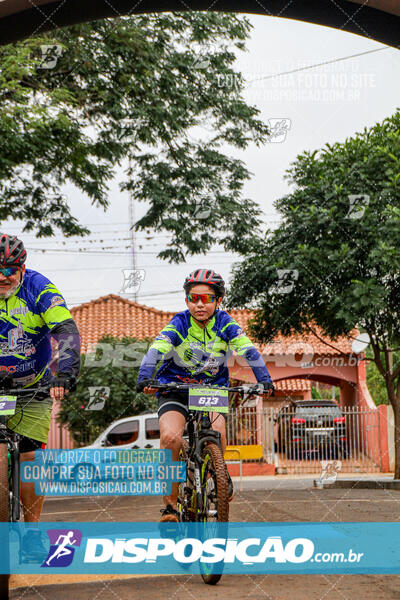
[(62, 549), (63, 543)]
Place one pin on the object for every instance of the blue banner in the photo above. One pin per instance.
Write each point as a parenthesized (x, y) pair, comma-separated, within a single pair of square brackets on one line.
[(103, 472), (229, 548)]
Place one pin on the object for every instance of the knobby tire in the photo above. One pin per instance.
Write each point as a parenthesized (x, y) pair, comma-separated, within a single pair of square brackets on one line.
[(215, 467)]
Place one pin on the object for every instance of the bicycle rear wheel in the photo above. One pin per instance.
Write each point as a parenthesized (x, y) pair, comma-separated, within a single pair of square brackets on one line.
[(4, 503), (214, 485)]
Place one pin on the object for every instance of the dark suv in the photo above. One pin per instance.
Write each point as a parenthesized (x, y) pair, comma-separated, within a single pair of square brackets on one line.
[(311, 426)]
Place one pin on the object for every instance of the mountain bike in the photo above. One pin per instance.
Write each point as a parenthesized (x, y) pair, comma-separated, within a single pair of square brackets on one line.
[(10, 510), (203, 497)]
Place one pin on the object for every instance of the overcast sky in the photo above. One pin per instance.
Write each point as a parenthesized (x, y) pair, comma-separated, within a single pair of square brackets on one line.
[(319, 105)]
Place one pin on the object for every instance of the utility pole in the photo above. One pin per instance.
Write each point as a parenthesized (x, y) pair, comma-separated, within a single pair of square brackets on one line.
[(132, 233), (132, 236)]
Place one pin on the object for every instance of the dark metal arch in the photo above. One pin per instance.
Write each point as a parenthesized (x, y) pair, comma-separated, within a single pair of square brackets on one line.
[(375, 19)]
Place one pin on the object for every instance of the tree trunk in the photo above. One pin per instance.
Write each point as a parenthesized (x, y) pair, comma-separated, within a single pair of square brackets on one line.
[(396, 410), (394, 399)]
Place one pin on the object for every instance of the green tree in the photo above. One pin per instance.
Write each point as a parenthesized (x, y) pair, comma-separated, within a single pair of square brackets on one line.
[(375, 380), (337, 252), (119, 374), (134, 92)]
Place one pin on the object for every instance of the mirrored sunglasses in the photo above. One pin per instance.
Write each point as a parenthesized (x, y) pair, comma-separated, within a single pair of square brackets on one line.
[(8, 271), (205, 298)]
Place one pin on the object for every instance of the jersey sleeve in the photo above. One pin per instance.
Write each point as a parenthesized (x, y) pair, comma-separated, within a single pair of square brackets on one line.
[(168, 337), (242, 344), (51, 305)]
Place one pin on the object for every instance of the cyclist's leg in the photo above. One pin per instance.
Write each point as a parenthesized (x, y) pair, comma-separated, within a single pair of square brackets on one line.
[(31, 503), (172, 424), (218, 423), (33, 424), (172, 414)]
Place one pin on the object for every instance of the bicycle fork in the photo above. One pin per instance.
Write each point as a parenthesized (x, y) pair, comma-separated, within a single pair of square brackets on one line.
[(202, 438)]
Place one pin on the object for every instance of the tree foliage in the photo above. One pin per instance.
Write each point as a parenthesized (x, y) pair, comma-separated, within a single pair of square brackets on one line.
[(132, 92), (335, 259), (123, 401), (375, 380)]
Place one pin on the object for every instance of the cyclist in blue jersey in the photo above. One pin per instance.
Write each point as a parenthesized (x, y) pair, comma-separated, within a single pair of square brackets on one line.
[(194, 348), (32, 310)]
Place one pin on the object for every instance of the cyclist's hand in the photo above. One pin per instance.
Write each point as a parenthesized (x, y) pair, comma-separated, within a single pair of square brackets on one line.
[(60, 385), (57, 393), (143, 385), (268, 388)]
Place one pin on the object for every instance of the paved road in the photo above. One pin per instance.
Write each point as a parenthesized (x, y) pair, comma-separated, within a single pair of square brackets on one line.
[(276, 503)]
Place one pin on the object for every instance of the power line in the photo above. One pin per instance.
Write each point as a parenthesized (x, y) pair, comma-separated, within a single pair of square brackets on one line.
[(140, 295), (189, 265), (83, 299), (96, 252), (327, 62)]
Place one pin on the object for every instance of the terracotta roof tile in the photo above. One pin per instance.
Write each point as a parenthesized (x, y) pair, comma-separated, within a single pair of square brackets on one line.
[(293, 385), (119, 317), (287, 344)]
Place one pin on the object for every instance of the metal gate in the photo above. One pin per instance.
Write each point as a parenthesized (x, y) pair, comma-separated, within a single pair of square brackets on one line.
[(297, 444)]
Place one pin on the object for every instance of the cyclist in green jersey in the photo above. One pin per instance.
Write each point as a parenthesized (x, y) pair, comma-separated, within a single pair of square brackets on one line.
[(32, 311), (195, 348)]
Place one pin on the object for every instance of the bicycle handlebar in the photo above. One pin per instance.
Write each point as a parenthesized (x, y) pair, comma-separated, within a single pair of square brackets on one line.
[(256, 388), (39, 393)]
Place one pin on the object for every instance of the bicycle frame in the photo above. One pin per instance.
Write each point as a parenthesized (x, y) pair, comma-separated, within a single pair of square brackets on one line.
[(198, 438), (12, 441)]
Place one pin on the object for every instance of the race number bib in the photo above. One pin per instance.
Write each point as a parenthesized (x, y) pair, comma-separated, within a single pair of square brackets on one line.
[(7, 405), (208, 399)]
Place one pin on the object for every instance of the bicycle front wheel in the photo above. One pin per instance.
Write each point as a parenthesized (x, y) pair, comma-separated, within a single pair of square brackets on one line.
[(186, 496), (214, 485)]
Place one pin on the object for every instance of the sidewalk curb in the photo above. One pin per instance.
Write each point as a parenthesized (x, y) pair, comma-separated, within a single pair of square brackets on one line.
[(375, 484)]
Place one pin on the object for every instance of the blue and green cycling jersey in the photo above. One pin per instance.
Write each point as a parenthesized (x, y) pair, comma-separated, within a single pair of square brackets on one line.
[(26, 319), (191, 354)]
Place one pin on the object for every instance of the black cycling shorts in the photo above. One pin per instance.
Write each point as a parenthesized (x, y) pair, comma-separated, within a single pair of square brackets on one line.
[(27, 444), (177, 401)]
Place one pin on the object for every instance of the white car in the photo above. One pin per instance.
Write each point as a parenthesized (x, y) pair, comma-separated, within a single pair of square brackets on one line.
[(141, 431)]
